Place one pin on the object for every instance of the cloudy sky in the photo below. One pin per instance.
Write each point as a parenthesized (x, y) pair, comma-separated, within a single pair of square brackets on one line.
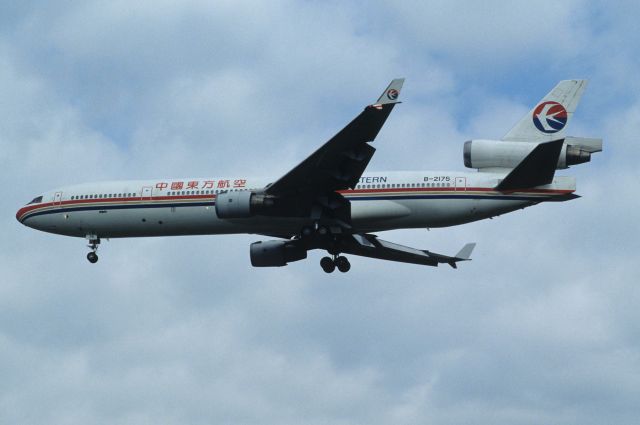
[(542, 327)]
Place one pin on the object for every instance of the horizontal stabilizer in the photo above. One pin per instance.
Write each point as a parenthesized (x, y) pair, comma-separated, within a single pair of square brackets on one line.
[(536, 169)]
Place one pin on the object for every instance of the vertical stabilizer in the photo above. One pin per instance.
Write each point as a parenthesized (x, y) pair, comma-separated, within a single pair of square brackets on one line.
[(549, 119)]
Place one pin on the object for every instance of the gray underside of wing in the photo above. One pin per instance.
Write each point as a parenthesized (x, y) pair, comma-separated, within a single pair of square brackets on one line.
[(368, 245)]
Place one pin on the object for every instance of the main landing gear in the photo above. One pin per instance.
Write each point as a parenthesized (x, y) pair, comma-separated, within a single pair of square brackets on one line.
[(93, 245), (320, 236), (329, 264)]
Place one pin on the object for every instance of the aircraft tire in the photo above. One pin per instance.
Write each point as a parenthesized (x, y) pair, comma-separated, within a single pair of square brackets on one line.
[(327, 264), (92, 257), (343, 264)]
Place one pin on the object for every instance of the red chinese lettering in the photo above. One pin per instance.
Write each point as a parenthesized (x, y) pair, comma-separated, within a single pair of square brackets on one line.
[(161, 186), (176, 185), (208, 184), (223, 183), (239, 183), (192, 185)]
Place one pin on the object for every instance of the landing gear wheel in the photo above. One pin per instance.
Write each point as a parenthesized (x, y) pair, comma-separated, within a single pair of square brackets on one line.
[(327, 264), (323, 230), (342, 263), (94, 242)]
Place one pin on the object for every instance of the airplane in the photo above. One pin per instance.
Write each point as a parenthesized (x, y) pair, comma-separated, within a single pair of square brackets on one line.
[(329, 202)]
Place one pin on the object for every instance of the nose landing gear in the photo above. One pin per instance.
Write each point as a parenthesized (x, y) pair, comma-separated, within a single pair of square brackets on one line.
[(93, 245), (329, 264)]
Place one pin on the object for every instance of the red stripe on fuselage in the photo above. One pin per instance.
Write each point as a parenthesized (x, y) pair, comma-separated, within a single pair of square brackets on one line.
[(29, 208)]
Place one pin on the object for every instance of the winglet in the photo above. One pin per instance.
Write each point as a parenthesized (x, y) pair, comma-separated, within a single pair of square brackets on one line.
[(465, 253), (391, 93)]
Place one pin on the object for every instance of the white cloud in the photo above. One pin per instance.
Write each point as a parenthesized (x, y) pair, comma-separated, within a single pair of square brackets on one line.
[(539, 327)]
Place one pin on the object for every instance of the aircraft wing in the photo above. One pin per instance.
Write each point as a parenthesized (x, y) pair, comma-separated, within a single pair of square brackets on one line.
[(339, 163), (368, 245)]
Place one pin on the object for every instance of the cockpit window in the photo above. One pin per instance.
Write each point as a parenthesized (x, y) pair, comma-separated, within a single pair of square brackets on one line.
[(36, 200)]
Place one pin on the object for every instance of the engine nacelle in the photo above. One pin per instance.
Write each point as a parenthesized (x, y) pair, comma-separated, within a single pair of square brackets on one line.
[(499, 154), (276, 253), (242, 204)]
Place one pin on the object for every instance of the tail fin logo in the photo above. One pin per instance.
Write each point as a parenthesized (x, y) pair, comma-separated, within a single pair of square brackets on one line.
[(550, 117), (392, 94)]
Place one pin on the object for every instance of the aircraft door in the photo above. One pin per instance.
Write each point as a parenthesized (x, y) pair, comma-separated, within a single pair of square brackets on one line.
[(461, 183), (146, 193), (57, 199)]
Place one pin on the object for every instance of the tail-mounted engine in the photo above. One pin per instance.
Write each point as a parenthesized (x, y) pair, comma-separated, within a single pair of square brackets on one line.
[(276, 253), (499, 154)]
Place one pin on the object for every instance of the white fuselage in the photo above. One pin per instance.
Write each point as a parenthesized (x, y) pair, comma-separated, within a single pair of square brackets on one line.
[(381, 201)]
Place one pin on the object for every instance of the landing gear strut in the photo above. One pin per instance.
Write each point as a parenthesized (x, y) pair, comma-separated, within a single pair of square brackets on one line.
[(93, 245), (329, 264)]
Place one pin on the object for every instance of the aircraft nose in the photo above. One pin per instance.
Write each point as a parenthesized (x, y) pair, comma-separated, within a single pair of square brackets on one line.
[(20, 214)]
